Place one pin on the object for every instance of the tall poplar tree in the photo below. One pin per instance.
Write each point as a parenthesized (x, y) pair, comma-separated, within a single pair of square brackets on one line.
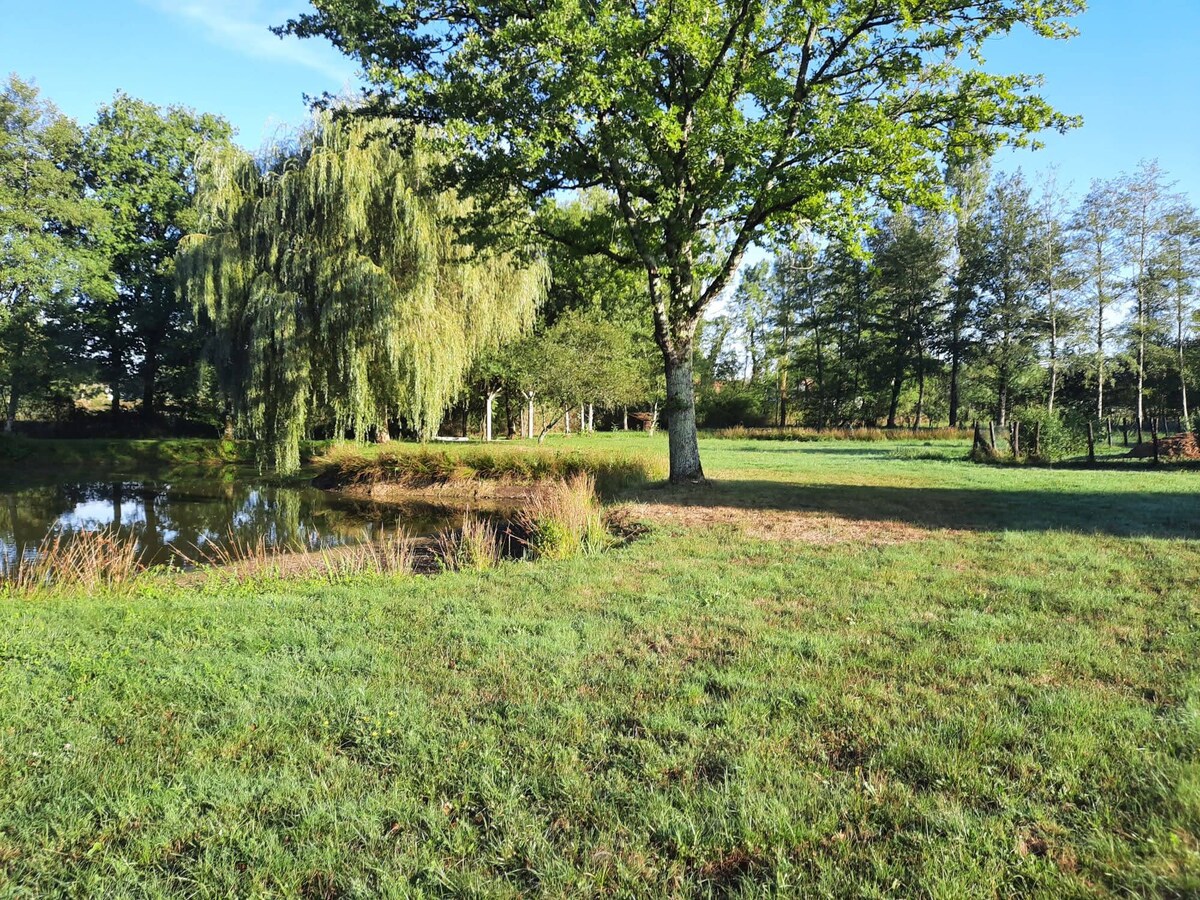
[(1177, 271), (1096, 239)]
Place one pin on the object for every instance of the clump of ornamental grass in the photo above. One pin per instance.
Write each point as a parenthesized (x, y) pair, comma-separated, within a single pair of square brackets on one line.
[(88, 561), (388, 554), (474, 546), (564, 519)]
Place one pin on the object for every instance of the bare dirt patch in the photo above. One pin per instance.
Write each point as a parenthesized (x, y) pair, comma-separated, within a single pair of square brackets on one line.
[(782, 525)]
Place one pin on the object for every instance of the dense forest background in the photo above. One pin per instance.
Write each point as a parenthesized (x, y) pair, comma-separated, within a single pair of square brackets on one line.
[(1006, 299)]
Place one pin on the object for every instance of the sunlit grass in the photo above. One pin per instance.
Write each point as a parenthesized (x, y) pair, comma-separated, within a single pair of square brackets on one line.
[(1005, 703)]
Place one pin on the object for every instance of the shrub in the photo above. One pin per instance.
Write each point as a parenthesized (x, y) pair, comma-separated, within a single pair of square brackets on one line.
[(1050, 437), (563, 520)]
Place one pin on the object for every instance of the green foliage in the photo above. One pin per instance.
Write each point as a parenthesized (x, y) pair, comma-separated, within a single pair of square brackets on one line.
[(582, 358), (1058, 437), (119, 455), (45, 218), (337, 288), (713, 124), (139, 163), (1008, 313)]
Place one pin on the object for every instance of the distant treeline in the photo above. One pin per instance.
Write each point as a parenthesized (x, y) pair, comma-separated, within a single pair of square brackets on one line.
[(1010, 299)]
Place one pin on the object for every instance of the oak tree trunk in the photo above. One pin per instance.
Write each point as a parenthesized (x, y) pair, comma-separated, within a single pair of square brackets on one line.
[(681, 418)]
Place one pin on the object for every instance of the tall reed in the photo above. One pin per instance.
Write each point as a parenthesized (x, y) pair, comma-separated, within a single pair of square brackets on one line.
[(75, 561), (473, 546)]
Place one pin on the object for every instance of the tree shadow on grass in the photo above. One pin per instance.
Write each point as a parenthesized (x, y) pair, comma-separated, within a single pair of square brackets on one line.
[(1118, 513)]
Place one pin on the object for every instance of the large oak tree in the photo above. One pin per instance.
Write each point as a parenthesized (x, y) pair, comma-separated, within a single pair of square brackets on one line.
[(711, 121)]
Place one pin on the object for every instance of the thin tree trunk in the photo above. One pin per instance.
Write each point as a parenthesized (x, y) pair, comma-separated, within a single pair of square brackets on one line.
[(894, 403), (955, 365), (920, 387), (509, 431), (591, 417), (1053, 354), (1183, 397), (529, 397), (149, 379), (10, 418), (487, 416)]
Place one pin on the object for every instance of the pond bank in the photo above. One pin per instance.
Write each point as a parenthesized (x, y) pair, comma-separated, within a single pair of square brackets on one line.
[(509, 471)]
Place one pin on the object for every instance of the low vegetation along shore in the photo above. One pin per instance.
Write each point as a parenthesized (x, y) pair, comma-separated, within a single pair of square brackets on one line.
[(477, 469), (840, 669)]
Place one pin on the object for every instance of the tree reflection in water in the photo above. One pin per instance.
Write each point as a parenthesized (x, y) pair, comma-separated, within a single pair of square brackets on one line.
[(171, 519)]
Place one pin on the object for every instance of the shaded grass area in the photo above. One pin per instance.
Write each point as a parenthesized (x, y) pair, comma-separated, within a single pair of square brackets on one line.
[(422, 465), (814, 435), (21, 454), (1012, 709)]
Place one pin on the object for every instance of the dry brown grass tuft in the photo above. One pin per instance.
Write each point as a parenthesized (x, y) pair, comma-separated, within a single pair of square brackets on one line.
[(564, 519), (80, 561), (473, 546)]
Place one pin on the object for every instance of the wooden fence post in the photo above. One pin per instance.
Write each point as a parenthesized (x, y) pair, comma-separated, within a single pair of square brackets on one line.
[(1091, 444)]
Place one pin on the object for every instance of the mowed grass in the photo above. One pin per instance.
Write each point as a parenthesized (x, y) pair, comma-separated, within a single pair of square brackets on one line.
[(1006, 704)]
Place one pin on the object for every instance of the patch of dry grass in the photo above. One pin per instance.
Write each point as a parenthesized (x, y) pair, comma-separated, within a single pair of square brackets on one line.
[(85, 561), (419, 467)]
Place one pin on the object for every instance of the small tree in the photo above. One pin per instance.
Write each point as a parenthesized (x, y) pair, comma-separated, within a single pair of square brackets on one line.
[(1176, 270), (580, 359)]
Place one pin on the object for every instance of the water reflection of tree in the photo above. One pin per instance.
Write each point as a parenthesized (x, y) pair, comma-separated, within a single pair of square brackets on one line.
[(171, 520)]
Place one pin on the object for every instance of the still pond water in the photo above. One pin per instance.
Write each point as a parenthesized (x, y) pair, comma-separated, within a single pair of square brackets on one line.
[(171, 518)]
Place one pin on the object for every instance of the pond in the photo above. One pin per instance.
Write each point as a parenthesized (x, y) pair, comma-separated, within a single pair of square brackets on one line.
[(178, 520)]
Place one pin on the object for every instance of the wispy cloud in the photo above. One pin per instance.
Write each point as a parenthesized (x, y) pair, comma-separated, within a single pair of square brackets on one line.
[(244, 26)]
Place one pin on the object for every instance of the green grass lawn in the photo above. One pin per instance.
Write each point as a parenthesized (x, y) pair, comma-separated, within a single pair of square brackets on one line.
[(978, 682)]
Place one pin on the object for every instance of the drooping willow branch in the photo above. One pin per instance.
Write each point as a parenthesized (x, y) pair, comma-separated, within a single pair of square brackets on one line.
[(337, 289)]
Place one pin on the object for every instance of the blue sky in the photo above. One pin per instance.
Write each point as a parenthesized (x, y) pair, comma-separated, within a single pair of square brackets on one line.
[(1133, 73)]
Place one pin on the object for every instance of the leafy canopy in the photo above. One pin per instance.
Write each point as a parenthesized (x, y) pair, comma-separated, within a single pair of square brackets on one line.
[(337, 288), (709, 121), (45, 222)]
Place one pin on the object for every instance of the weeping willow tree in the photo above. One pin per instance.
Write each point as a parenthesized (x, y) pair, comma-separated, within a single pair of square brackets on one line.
[(337, 289)]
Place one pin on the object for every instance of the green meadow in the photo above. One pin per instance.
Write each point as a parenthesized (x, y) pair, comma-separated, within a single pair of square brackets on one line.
[(840, 669)]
